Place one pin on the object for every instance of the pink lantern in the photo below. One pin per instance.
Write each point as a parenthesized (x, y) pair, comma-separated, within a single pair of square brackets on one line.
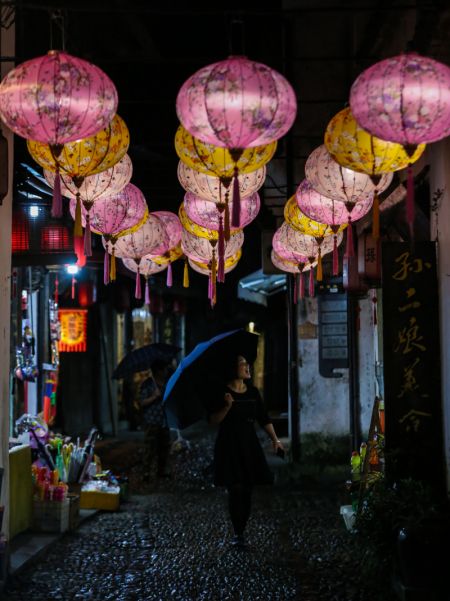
[(57, 98), (146, 267), (404, 99), (211, 188), (297, 268), (206, 213), (173, 229), (329, 178), (237, 103), (205, 269), (203, 250)]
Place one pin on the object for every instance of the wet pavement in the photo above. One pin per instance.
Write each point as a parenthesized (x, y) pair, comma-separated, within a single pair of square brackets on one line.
[(172, 542)]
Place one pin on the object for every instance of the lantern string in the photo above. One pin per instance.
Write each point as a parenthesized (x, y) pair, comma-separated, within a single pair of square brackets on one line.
[(169, 280), (137, 290), (186, 274), (106, 268), (57, 196), (236, 37), (410, 209), (296, 286), (350, 250), (335, 256), (57, 21), (236, 215), (87, 236), (319, 266), (221, 252), (112, 273), (311, 282), (376, 216), (147, 292), (78, 229)]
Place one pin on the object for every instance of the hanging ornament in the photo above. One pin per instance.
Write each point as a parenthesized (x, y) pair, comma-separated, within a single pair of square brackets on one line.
[(145, 267), (172, 227)]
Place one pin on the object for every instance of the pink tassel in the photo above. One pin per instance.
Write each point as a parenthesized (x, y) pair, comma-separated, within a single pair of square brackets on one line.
[(210, 287), (87, 237), (169, 280), (302, 286), (311, 282), (350, 249), (147, 292), (236, 215), (335, 256), (137, 290), (221, 252), (295, 289), (57, 197), (106, 268), (410, 209)]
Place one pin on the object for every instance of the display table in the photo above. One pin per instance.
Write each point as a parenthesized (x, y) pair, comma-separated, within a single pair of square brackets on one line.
[(20, 489)]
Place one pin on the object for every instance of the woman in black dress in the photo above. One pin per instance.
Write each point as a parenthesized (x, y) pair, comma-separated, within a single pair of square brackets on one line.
[(239, 461)]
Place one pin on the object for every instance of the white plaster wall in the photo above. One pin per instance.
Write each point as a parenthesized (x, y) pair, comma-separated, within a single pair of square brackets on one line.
[(324, 405), (439, 159)]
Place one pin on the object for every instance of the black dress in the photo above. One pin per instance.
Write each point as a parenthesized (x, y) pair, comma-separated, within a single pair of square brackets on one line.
[(238, 455)]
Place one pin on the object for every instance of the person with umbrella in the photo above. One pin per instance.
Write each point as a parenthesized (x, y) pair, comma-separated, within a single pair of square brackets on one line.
[(239, 460)]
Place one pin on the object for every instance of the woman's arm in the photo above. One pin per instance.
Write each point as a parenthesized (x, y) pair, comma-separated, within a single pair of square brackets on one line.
[(276, 444), (150, 399), (218, 416)]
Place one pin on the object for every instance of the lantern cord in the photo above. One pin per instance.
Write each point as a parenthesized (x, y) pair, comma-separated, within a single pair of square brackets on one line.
[(147, 292), (78, 229), (169, 279), (376, 216), (186, 274), (57, 197), (335, 256), (227, 216), (302, 286), (236, 39), (57, 21), (410, 212), (221, 252), (87, 237), (311, 282), (350, 250), (137, 290), (319, 266), (106, 268), (236, 214), (112, 273), (73, 286), (296, 286)]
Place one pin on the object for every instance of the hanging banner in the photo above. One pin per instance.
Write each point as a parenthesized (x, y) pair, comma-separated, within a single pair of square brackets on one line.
[(412, 380), (73, 330)]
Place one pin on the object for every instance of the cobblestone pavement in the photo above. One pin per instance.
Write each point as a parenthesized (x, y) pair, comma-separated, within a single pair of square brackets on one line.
[(173, 544)]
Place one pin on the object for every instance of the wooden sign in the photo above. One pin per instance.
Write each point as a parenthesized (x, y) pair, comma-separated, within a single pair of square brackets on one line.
[(73, 330), (369, 263)]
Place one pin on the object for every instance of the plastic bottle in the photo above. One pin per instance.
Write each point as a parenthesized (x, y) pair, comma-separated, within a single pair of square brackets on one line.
[(355, 463)]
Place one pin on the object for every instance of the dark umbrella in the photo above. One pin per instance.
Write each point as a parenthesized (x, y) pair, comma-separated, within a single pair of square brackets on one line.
[(200, 375), (142, 358)]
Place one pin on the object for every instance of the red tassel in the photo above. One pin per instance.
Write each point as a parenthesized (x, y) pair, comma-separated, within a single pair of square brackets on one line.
[(302, 286), (295, 289), (227, 217), (410, 208), (335, 256), (57, 197), (106, 268), (87, 237), (350, 249), (221, 253), (375, 318), (236, 215), (137, 290), (311, 282), (147, 292), (169, 280), (73, 286)]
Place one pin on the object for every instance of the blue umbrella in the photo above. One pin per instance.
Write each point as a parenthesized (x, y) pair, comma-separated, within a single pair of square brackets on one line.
[(199, 376)]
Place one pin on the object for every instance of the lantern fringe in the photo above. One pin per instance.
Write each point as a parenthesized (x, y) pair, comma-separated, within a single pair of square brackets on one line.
[(112, 271), (350, 249), (137, 290), (78, 229), (169, 280), (319, 266), (221, 252), (57, 210), (311, 282), (227, 233), (87, 237), (213, 278), (376, 217), (296, 286), (302, 286), (335, 256), (73, 286), (106, 268), (147, 292), (236, 215), (186, 274), (410, 208)]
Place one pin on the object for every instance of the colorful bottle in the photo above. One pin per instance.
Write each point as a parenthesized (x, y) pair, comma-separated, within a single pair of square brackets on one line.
[(355, 463)]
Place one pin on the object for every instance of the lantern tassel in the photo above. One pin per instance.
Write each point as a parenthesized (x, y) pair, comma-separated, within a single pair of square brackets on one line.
[(169, 280), (302, 286), (311, 282), (236, 215), (296, 286), (221, 252), (227, 217), (213, 278), (209, 287), (56, 289), (350, 250), (87, 237), (410, 209), (106, 268), (376, 217), (186, 274), (147, 292), (335, 256), (73, 286), (78, 228), (137, 290), (112, 272), (319, 266), (57, 197)]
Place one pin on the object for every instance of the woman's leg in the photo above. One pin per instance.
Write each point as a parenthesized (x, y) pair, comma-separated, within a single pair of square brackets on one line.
[(239, 505)]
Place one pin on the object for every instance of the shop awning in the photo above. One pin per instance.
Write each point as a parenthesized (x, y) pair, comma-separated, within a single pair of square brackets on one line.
[(258, 287)]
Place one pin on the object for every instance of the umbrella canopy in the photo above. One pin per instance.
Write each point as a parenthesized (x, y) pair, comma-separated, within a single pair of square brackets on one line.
[(142, 358), (201, 374)]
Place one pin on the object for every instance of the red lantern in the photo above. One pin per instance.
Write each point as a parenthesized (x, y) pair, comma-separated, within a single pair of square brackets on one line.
[(87, 293)]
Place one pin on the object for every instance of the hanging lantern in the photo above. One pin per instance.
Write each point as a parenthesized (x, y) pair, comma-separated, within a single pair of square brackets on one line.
[(145, 267), (206, 213), (205, 268), (173, 254), (237, 103), (173, 250), (57, 98), (297, 267), (211, 188), (300, 245), (404, 99), (329, 178)]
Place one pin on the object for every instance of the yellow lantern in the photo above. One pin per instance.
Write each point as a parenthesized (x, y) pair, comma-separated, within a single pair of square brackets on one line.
[(168, 257), (199, 230)]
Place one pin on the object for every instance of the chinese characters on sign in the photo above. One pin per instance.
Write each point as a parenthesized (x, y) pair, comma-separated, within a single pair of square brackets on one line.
[(412, 361), (73, 330)]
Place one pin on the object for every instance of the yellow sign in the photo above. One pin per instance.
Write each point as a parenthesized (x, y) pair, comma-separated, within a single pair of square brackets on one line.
[(73, 330)]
